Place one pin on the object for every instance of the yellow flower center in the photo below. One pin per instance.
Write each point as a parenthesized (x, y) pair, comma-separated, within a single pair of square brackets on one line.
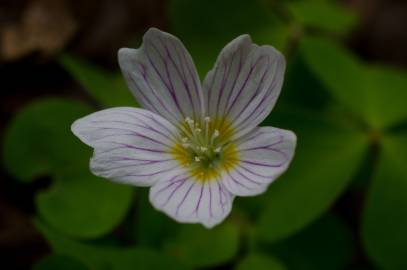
[(205, 148)]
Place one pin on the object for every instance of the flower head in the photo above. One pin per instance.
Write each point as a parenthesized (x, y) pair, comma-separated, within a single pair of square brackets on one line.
[(196, 146)]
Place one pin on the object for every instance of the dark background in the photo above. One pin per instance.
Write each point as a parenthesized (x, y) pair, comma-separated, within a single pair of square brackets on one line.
[(33, 33)]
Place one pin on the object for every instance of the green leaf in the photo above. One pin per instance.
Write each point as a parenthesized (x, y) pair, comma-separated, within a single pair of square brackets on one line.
[(39, 141), (386, 88), (337, 69), (326, 158), (385, 215), (257, 261), (199, 247), (205, 38), (302, 88), (82, 205), (325, 15), (325, 244), (153, 228), (59, 262), (366, 90), (109, 89), (100, 257)]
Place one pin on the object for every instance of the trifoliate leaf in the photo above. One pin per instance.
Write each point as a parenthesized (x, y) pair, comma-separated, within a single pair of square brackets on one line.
[(326, 158), (385, 215)]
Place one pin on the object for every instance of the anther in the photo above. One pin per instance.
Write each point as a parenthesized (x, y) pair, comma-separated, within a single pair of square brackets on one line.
[(197, 159), (189, 120), (217, 150), (186, 145), (215, 134), (207, 119), (185, 139), (204, 149)]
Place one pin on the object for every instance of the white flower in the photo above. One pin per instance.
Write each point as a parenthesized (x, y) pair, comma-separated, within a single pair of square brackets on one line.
[(196, 146)]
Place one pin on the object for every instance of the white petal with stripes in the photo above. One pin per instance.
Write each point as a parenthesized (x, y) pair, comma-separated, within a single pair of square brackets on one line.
[(195, 147)]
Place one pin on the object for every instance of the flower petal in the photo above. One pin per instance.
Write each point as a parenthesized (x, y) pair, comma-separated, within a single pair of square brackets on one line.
[(131, 145), (244, 84), (188, 200), (163, 77), (265, 154)]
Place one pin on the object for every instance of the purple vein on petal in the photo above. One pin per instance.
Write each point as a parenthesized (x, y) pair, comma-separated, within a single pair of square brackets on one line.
[(210, 200), (232, 104), (183, 79), (236, 78), (173, 192), (154, 92), (238, 182), (247, 178), (199, 200), (185, 196), (261, 164), (150, 174), (170, 88)]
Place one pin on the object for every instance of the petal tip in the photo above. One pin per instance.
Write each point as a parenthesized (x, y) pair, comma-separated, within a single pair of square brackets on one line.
[(123, 53)]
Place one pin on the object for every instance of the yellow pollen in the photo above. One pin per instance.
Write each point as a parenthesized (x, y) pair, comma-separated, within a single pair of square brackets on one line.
[(205, 148)]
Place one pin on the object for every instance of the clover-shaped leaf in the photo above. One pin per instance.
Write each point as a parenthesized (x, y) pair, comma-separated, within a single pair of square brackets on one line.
[(39, 143), (38, 140), (325, 161), (385, 215), (82, 205), (376, 94)]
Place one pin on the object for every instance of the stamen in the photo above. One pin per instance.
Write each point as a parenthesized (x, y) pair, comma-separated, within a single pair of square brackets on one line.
[(204, 149), (207, 120), (218, 149), (185, 139), (189, 120), (214, 135), (197, 159), (190, 123), (186, 145)]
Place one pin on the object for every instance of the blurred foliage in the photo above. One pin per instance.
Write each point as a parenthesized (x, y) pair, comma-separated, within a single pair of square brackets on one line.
[(105, 87), (59, 262), (375, 93), (321, 15), (309, 171), (197, 246), (77, 202), (190, 21), (385, 216), (101, 256), (259, 262), (349, 117), (326, 244)]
